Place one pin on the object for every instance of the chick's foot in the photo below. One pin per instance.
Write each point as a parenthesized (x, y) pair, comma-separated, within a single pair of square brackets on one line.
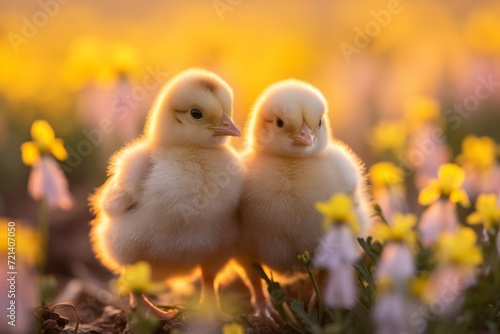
[(266, 313)]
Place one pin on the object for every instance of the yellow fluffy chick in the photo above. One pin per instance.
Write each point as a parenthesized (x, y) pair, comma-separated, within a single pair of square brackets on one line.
[(291, 162), (171, 196)]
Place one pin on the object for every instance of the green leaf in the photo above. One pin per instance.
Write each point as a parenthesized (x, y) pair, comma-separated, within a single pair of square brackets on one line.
[(359, 265), (278, 296), (379, 213), (142, 323), (261, 272), (48, 287), (310, 320), (369, 248), (492, 327)]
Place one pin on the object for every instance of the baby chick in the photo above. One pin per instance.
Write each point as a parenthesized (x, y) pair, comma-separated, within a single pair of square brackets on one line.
[(291, 162), (171, 196)]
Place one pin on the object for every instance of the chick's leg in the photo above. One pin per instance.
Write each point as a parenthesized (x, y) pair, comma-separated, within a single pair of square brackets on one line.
[(209, 298), (264, 310)]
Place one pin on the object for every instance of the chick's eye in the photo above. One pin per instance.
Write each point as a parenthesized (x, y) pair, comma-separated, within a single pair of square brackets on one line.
[(279, 123), (319, 122), (196, 113)]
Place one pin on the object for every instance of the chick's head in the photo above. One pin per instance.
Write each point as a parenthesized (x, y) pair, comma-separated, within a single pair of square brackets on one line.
[(194, 108), (289, 119)]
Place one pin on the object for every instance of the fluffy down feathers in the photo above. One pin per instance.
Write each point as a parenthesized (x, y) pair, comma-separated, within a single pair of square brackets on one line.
[(171, 196), (291, 162)]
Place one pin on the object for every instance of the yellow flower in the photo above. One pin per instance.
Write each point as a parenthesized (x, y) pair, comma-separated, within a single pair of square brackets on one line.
[(401, 230), (124, 57), (233, 328), (389, 136), (339, 210), (487, 211), (482, 31), (448, 185), (86, 61), (418, 286), (459, 248), (136, 278), (384, 284), (421, 109), (27, 242), (478, 152), (44, 142), (385, 175)]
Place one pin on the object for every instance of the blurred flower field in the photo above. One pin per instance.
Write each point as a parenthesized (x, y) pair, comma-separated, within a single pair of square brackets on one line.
[(413, 87)]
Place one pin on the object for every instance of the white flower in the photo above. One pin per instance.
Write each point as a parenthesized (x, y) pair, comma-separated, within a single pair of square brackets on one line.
[(340, 290), (396, 262), (47, 181), (441, 216), (445, 291), (427, 168), (336, 252), (396, 268), (392, 313), (337, 247)]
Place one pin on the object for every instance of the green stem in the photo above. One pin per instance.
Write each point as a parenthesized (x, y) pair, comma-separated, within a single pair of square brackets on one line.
[(43, 226), (139, 320), (363, 307), (301, 290), (318, 295), (338, 319), (139, 307)]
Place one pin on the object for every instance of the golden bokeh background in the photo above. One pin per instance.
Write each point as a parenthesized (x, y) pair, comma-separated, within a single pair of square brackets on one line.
[(92, 69), (75, 63)]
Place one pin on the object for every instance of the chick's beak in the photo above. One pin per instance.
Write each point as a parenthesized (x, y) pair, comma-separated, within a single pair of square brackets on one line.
[(305, 138), (226, 127)]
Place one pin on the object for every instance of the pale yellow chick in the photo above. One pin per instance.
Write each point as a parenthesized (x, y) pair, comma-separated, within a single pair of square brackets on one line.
[(291, 162), (171, 196)]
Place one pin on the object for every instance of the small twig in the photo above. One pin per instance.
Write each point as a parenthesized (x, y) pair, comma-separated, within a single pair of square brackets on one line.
[(70, 305)]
